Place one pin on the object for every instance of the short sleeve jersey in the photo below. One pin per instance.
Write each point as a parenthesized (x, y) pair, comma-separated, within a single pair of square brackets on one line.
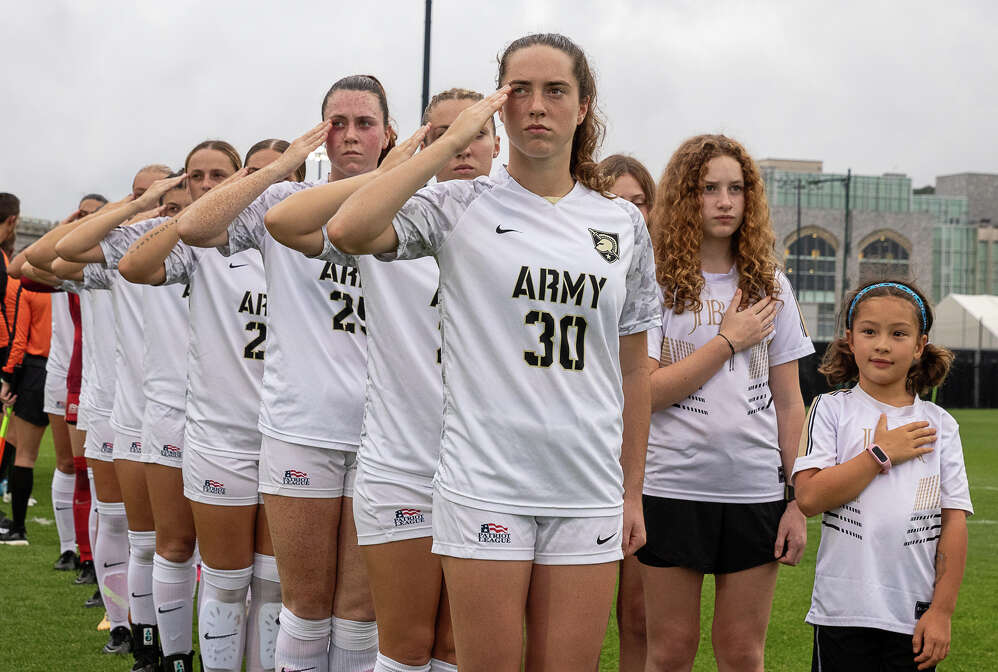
[(97, 317), (534, 297), (228, 334), (61, 348), (404, 400), (876, 560), (721, 443), (164, 316), (316, 327)]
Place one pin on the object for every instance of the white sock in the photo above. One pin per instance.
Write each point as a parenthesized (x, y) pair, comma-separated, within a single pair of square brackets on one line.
[(111, 560), (92, 523), (172, 593), (437, 665), (353, 646), (302, 644), (63, 486), (142, 546), (264, 607), (222, 617), (386, 664)]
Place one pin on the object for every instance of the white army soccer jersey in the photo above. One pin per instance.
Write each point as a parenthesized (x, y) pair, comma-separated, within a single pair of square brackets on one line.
[(228, 334), (164, 313), (404, 400), (534, 297), (61, 348), (721, 443), (97, 319), (313, 379), (876, 562)]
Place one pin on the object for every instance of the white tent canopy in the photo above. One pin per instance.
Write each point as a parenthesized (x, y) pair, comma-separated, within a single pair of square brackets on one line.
[(967, 322)]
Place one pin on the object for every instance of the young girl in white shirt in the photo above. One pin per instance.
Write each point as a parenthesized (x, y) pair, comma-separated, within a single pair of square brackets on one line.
[(886, 470)]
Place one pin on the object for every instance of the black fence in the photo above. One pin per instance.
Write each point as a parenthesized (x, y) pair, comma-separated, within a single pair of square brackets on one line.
[(957, 392)]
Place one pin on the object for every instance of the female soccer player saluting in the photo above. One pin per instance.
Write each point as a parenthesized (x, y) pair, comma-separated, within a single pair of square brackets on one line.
[(727, 410), (887, 470), (540, 274), (400, 441)]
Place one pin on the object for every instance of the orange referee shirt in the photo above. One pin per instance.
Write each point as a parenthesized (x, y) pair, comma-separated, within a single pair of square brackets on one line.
[(32, 329)]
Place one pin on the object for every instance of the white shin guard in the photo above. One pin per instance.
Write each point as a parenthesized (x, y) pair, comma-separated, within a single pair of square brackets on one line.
[(63, 487), (353, 645), (142, 547), (264, 608), (222, 618), (111, 561)]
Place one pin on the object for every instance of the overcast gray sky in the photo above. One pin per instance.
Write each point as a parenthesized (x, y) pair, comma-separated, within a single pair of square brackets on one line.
[(94, 89)]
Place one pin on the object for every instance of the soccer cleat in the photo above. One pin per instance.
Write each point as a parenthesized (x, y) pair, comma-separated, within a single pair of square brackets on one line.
[(104, 624), (5, 523), (97, 600), (67, 562), (145, 647), (87, 574), (119, 642), (178, 662), (14, 538)]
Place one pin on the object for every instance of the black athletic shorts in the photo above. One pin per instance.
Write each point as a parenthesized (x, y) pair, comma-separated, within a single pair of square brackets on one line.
[(848, 649), (30, 403), (709, 537)]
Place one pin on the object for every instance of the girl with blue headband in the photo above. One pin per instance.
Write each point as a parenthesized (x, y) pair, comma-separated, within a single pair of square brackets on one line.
[(885, 469)]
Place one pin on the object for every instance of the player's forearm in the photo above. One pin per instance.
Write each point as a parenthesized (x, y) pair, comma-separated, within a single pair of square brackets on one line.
[(144, 261), (784, 385), (824, 489), (674, 382), (67, 270), (79, 244), (363, 224), (205, 222), (297, 220), (40, 276), (636, 415), (951, 560)]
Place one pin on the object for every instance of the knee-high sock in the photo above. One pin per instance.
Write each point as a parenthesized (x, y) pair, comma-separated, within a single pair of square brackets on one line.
[(9, 452), (222, 617), (94, 517), (264, 607), (63, 486), (437, 665), (81, 507), (302, 644), (111, 561), (172, 593), (142, 546), (22, 480), (386, 664), (353, 646)]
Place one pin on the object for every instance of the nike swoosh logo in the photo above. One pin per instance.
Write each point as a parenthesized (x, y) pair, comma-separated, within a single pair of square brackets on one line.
[(64, 508), (237, 265), (231, 634), (166, 611), (600, 541), (300, 669), (502, 230), (142, 595), (113, 564)]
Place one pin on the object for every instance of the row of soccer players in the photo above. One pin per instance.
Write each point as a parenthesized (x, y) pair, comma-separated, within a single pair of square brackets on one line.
[(502, 437)]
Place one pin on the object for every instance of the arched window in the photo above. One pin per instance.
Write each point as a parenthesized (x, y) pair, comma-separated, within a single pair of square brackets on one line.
[(884, 255), (810, 264)]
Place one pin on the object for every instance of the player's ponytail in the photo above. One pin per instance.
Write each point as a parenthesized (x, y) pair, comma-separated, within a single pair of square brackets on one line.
[(931, 368), (838, 364)]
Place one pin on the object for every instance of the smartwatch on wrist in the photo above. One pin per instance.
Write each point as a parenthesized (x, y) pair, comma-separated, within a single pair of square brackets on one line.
[(880, 456)]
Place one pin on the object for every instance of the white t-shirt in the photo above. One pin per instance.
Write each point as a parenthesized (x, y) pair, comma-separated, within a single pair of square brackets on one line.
[(98, 340), (228, 320), (61, 348), (721, 444), (316, 333), (534, 297), (403, 406), (876, 561), (165, 312)]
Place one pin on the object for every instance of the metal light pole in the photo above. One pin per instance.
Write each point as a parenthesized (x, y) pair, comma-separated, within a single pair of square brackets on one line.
[(798, 184), (426, 57), (318, 155)]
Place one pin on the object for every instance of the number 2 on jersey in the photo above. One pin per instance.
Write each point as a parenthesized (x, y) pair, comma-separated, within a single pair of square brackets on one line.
[(565, 325), (340, 321), (254, 349)]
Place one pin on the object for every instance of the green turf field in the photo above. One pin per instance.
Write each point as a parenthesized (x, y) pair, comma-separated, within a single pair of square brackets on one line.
[(43, 625)]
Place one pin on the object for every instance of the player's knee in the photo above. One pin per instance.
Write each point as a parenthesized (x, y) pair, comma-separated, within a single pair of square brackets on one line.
[(413, 647), (175, 548), (672, 652), (739, 650), (631, 620), (443, 643), (64, 463)]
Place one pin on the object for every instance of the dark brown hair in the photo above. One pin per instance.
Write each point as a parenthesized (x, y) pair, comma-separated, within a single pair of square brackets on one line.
[(839, 365), (10, 206), (371, 84), (616, 166), (589, 134), (676, 223), (219, 146), (95, 197), (455, 94), (278, 146)]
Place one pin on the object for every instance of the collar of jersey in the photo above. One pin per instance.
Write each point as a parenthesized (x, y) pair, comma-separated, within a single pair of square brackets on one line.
[(504, 176), (891, 411)]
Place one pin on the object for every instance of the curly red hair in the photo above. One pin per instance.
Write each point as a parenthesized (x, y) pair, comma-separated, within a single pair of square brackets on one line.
[(676, 223)]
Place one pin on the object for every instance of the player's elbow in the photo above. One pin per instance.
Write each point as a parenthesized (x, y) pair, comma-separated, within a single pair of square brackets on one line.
[(807, 502), (342, 236)]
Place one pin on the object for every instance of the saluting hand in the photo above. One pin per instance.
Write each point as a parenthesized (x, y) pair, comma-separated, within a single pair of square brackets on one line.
[(150, 198), (403, 151), (471, 120), (299, 150)]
